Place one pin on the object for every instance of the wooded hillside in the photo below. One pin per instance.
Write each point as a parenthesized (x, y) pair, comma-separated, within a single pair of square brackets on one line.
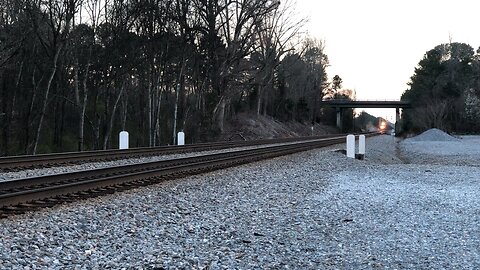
[(73, 73)]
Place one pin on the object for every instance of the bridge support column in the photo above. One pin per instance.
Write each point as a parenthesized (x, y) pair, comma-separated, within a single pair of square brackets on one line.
[(397, 121), (339, 118)]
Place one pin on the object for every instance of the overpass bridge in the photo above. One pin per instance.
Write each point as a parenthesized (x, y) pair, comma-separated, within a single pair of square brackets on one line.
[(340, 104)]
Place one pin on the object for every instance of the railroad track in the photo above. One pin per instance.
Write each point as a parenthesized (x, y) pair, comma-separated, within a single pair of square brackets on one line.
[(16, 163), (22, 195)]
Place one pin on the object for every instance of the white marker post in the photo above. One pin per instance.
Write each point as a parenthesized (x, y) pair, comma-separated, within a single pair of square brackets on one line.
[(361, 147), (123, 140), (351, 146), (181, 138)]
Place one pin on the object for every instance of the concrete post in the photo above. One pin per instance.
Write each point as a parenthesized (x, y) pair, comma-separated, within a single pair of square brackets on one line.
[(397, 121), (361, 147), (123, 140), (339, 118), (181, 138), (351, 146)]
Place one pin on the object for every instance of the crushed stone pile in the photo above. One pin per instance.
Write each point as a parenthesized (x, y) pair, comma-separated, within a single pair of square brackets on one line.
[(434, 134)]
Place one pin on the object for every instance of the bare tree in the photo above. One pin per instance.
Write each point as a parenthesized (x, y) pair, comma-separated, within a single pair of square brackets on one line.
[(10, 58), (109, 129), (276, 35), (60, 15), (229, 28), (432, 115), (316, 83), (95, 10)]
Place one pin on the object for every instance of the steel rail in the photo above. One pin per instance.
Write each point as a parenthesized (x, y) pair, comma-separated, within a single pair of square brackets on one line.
[(16, 195), (13, 163)]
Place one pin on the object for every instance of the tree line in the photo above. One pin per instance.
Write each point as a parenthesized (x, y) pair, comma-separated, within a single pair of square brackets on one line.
[(445, 90), (73, 73)]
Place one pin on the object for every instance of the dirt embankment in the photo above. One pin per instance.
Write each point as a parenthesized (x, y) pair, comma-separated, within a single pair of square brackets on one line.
[(253, 127)]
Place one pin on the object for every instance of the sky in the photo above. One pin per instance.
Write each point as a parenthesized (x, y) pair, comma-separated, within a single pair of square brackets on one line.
[(375, 45)]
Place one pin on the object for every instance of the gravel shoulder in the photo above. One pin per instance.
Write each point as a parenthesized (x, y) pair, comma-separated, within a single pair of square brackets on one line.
[(313, 210), (464, 151)]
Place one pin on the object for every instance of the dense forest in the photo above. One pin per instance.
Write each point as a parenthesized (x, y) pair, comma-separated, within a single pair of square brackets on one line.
[(445, 90), (73, 73)]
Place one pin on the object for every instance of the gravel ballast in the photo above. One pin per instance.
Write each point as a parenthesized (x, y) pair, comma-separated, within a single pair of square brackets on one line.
[(5, 176), (313, 210)]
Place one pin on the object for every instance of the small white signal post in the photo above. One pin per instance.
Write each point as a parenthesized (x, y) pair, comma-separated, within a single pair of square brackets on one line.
[(123, 140), (351, 146), (181, 138), (361, 147)]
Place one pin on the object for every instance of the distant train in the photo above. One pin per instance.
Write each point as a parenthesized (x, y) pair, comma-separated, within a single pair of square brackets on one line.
[(382, 126), (385, 127)]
